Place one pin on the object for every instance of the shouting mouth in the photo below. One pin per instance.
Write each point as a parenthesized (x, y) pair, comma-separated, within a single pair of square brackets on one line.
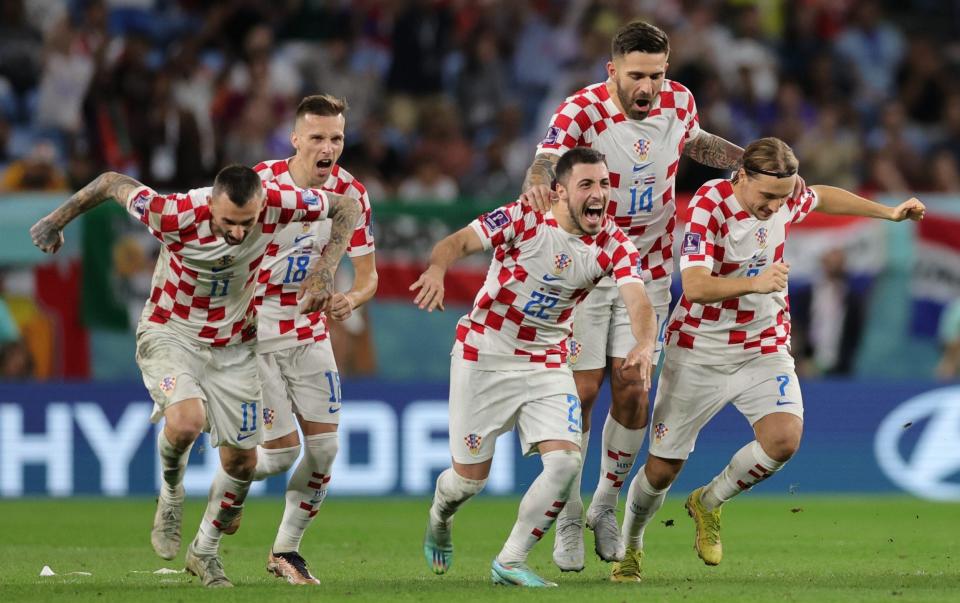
[(642, 105), (325, 164), (593, 214)]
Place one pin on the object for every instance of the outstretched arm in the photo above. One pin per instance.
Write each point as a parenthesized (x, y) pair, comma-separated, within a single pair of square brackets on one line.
[(460, 244), (714, 151), (537, 186), (317, 287), (47, 233), (643, 325), (837, 201)]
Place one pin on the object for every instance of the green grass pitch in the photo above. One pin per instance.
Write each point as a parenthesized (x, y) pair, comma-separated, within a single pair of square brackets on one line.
[(795, 548)]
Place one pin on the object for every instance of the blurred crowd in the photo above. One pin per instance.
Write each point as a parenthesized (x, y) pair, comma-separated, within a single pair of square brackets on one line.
[(448, 97)]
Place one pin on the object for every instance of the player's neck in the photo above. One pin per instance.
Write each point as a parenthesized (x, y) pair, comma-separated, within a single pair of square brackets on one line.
[(561, 213), (612, 93), (301, 174)]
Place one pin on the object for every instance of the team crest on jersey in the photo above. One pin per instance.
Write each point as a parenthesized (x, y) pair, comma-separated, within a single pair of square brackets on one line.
[(167, 384), (561, 262), (762, 237), (495, 220), (268, 417), (642, 149), (473, 443), (553, 135), (305, 227), (224, 261), (660, 431), (140, 202), (575, 348), (691, 244)]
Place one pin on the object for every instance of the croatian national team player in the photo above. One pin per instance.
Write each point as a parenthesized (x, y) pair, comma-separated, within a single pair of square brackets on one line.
[(642, 123), (196, 333), (509, 365), (728, 339), (298, 371)]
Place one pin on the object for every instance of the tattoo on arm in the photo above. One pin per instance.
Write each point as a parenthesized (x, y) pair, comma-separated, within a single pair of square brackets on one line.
[(343, 215), (105, 186), (542, 171), (714, 151)]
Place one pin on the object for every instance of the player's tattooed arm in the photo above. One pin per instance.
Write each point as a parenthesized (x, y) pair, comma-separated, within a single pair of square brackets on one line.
[(714, 151), (47, 233), (538, 185), (317, 288)]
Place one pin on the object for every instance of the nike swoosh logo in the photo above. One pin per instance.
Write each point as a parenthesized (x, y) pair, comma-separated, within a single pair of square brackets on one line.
[(299, 238), (241, 437), (547, 277), (640, 168), (333, 410), (784, 402)]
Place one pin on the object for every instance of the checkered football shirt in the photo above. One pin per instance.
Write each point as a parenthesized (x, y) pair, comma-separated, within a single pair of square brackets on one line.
[(281, 325), (522, 315), (722, 237), (203, 288), (642, 156)]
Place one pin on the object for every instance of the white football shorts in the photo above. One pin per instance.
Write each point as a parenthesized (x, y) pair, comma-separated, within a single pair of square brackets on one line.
[(302, 380)]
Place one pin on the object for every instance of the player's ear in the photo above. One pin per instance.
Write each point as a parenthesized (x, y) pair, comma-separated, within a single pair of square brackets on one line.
[(294, 139)]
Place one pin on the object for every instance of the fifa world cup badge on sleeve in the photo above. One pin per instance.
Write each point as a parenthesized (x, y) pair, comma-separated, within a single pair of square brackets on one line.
[(139, 203), (691, 244), (496, 220), (553, 135)]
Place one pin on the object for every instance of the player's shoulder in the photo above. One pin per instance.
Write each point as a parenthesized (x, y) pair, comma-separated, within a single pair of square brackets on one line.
[(712, 194), (588, 96), (272, 169), (342, 182), (676, 97), (675, 87)]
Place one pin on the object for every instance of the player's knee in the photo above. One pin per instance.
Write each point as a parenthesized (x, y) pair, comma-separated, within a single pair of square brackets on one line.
[(782, 446), (183, 432), (323, 448), (662, 472), (563, 466)]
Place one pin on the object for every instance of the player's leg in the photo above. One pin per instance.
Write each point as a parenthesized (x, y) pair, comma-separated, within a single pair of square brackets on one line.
[(588, 357), (312, 384), (281, 446), (550, 425), (480, 410), (688, 396), (166, 364), (623, 433), (765, 390), (234, 409)]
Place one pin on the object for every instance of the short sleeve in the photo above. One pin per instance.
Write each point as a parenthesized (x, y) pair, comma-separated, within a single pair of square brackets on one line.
[(567, 126), (285, 204), (624, 266), (361, 243), (800, 207), (502, 225), (173, 218), (701, 232)]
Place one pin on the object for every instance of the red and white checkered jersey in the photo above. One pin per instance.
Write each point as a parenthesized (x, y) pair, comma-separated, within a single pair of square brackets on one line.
[(724, 238), (522, 315), (203, 287), (642, 156), (281, 325)]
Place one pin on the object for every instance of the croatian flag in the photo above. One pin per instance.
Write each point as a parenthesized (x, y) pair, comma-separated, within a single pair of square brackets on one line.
[(936, 271)]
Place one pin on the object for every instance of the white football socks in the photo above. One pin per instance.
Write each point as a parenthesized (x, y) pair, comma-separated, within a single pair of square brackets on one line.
[(748, 466), (273, 461), (574, 506), (541, 504), (224, 504), (173, 463), (306, 490), (617, 455), (643, 501)]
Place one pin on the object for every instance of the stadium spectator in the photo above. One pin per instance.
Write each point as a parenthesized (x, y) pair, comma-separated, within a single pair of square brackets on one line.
[(828, 320), (428, 184), (873, 48), (37, 171), (21, 55)]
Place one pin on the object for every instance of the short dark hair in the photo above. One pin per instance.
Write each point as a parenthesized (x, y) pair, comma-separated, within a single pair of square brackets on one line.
[(575, 156), (240, 183), (323, 105), (639, 36)]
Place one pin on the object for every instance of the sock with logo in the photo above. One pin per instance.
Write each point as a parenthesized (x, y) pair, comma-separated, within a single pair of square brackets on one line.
[(643, 501), (619, 451), (750, 465), (224, 504), (541, 504), (306, 490)]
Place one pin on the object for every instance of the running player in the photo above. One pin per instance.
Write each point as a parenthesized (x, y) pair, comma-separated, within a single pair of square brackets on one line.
[(728, 340), (509, 363), (195, 337), (642, 123), (299, 374)]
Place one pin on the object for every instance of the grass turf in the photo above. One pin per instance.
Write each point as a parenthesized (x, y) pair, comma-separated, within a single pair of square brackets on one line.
[(797, 548)]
